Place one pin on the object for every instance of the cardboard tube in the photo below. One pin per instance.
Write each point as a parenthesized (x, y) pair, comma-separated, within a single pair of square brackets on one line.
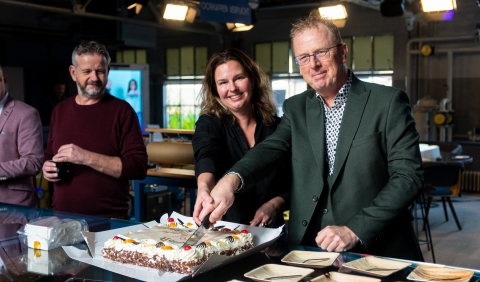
[(170, 153)]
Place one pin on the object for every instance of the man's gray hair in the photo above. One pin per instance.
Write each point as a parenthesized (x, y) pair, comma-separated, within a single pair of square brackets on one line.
[(313, 21), (90, 47)]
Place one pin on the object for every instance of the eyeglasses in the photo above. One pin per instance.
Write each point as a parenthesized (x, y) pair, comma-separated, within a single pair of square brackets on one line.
[(320, 55)]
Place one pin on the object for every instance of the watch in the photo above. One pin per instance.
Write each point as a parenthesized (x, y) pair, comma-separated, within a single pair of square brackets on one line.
[(239, 189)]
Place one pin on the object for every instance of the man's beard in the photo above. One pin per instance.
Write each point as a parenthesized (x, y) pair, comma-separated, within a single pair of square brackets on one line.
[(90, 94)]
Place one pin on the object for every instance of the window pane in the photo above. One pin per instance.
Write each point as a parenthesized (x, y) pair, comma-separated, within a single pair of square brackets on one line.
[(182, 105), (173, 94), (119, 55), (129, 56), (362, 52), (263, 56), (173, 117), (187, 93), (173, 62), (186, 60), (200, 60), (141, 56), (188, 117), (280, 57), (383, 50)]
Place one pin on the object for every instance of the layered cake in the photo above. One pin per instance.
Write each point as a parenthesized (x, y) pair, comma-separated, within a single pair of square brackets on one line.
[(160, 246)]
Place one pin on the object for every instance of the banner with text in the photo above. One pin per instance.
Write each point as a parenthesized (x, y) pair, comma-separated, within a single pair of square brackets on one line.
[(226, 11)]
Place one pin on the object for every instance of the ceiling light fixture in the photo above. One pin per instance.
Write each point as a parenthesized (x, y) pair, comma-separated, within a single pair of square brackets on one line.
[(438, 5), (238, 27), (337, 13), (438, 10), (175, 12)]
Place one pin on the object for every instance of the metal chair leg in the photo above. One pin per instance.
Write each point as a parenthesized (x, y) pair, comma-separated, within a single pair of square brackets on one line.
[(425, 222), (427, 209), (445, 208), (426, 225), (413, 210), (429, 236), (454, 213)]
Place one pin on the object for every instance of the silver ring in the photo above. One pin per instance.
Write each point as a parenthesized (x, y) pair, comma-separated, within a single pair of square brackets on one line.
[(264, 224)]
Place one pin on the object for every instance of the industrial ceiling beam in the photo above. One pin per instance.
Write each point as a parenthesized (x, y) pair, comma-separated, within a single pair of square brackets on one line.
[(80, 11)]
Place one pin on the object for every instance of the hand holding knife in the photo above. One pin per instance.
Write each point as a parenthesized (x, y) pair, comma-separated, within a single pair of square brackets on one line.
[(198, 234)]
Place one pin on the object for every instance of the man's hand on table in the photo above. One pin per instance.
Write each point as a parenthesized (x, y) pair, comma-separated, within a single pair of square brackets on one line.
[(336, 239)]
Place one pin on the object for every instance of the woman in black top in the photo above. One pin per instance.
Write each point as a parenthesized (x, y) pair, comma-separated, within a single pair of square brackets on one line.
[(237, 112)]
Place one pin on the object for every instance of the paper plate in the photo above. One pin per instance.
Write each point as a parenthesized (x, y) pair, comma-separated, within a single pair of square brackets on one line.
[(376, 266), (277, 272), (436, 273), (310, 259)]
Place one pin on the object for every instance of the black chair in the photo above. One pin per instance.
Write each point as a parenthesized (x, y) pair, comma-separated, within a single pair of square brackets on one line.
[(421, 202), (445, 178)]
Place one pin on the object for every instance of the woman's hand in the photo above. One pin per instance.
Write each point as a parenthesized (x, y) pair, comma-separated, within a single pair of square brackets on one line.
[(265, 215), (205, 183), (223, 197)]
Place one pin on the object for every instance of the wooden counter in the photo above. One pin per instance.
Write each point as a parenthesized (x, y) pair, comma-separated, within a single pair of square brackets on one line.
[(172, 173)]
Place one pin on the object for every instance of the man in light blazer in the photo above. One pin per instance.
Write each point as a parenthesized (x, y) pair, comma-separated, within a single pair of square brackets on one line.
[(356, 164), (21, 149)]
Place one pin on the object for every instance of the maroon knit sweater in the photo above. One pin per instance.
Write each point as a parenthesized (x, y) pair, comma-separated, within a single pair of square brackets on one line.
[(109, 127)]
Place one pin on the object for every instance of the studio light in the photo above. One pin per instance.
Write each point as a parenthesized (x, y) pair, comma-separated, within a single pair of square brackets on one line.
[(175, 12), (238, 27), (438, 5), (338, 14), (438, 10)]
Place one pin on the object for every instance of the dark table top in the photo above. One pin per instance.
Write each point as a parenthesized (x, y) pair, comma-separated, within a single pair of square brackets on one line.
[(14, 255), (448, 157)]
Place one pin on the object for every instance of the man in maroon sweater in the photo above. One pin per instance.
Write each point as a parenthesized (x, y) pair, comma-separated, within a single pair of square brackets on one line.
[(100, 135)]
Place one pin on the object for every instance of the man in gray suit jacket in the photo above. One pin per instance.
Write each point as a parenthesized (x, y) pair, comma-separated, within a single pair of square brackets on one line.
[(356, 165), (21, 149)]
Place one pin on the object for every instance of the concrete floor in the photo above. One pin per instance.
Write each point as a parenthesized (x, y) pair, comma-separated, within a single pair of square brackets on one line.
[(451, 246)]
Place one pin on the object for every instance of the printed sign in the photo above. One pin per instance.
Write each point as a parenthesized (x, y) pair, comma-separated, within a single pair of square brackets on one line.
[(226, 11)]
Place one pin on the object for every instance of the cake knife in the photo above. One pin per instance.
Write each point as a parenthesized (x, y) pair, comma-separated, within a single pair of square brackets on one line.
[(198, 234)]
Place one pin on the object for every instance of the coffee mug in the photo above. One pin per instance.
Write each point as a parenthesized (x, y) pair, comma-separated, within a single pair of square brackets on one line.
[(64, 169)]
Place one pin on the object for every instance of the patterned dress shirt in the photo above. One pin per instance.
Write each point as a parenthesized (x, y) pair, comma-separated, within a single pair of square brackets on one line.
[(333, 120)]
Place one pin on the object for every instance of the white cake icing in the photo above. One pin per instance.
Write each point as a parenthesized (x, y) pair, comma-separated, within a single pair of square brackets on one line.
[(161, 247)]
